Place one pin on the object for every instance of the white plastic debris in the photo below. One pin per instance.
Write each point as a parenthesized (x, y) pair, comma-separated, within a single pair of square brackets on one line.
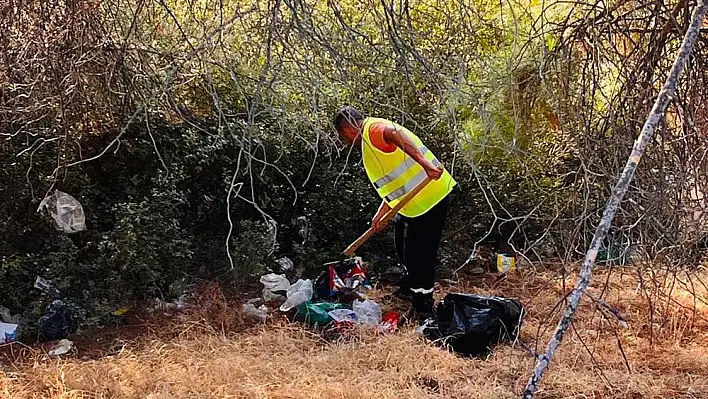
[(178, 304), (274, 283), (67, 212), (343, 315), (46, 286), (367, 312), (420, 330), (8, 332), (257, 313), (298, 293), (62, 347)]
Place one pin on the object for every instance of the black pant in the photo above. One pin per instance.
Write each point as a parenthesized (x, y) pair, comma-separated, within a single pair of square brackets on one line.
[(417, 242)]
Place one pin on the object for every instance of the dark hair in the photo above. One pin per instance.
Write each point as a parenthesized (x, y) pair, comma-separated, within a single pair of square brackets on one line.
[(347, 115)]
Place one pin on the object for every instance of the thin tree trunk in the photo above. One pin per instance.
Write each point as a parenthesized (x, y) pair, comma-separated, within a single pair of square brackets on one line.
[(657, 112)]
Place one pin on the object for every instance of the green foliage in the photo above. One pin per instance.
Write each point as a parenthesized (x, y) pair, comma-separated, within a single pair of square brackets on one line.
[(252, 248), (186, 101)]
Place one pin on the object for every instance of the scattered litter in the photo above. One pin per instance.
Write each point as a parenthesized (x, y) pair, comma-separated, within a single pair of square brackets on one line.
[(316, 314), (257, 313), (285, 264), (67, 212), (120, 312), (8, 332), (178, 304), (46, 287), (506, 263), (342, 278), (275, 286), (367, 312), (472, 324), (343, 316), (7, 317), (298, 293), (421, 329), (339, 284), (62, 347), (389, 322), (57, 322)]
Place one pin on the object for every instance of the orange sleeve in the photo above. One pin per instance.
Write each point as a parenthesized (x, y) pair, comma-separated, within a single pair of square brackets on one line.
[(376, 135)]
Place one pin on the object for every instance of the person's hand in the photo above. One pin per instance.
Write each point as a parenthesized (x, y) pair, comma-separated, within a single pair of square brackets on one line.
[(434, 172), (376, 222)]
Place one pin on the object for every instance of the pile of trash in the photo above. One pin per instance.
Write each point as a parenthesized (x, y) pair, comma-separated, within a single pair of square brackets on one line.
[(56, 324), (468, 324), (336, 299)]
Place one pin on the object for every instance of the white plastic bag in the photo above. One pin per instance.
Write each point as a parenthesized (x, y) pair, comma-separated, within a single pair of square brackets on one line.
[(8, 332), (367, 312), (67, 212), (298, 293), (343, 315), (62, 347), (274, 282)]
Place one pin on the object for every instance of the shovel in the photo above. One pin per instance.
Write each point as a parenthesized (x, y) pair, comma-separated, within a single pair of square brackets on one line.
[(386, 218), (322, 282)]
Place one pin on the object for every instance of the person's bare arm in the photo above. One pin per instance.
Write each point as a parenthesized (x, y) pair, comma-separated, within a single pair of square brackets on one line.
[(405, 143)]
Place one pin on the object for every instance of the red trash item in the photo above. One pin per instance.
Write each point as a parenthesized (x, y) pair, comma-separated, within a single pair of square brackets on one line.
[(389, 322)]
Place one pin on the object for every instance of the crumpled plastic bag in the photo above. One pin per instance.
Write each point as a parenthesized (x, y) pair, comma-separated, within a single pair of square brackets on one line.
[(67, 212), (343, 316), (471, 325), (62, 347), (274, 285), (367, 312), (298, 293)]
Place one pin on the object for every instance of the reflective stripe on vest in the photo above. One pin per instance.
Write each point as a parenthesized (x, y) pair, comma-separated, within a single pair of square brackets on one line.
[(408, 187), (407, 163)]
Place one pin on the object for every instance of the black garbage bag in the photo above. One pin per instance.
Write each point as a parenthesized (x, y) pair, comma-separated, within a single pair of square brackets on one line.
[(57, 322), (471, 325)]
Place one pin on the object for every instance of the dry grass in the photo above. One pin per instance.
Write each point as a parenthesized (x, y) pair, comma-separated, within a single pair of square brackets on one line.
[(281, 360)]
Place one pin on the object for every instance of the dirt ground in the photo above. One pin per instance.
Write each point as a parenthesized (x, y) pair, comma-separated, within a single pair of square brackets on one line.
[(655, 349)]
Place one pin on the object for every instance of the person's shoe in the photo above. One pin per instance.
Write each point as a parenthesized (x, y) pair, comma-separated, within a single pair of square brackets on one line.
[(423, 307)]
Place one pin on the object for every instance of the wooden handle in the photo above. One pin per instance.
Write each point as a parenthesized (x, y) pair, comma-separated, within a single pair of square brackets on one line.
[(386, 217)]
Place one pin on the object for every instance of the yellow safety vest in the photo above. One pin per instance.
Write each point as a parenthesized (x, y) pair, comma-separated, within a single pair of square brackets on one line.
[(395, 174)]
